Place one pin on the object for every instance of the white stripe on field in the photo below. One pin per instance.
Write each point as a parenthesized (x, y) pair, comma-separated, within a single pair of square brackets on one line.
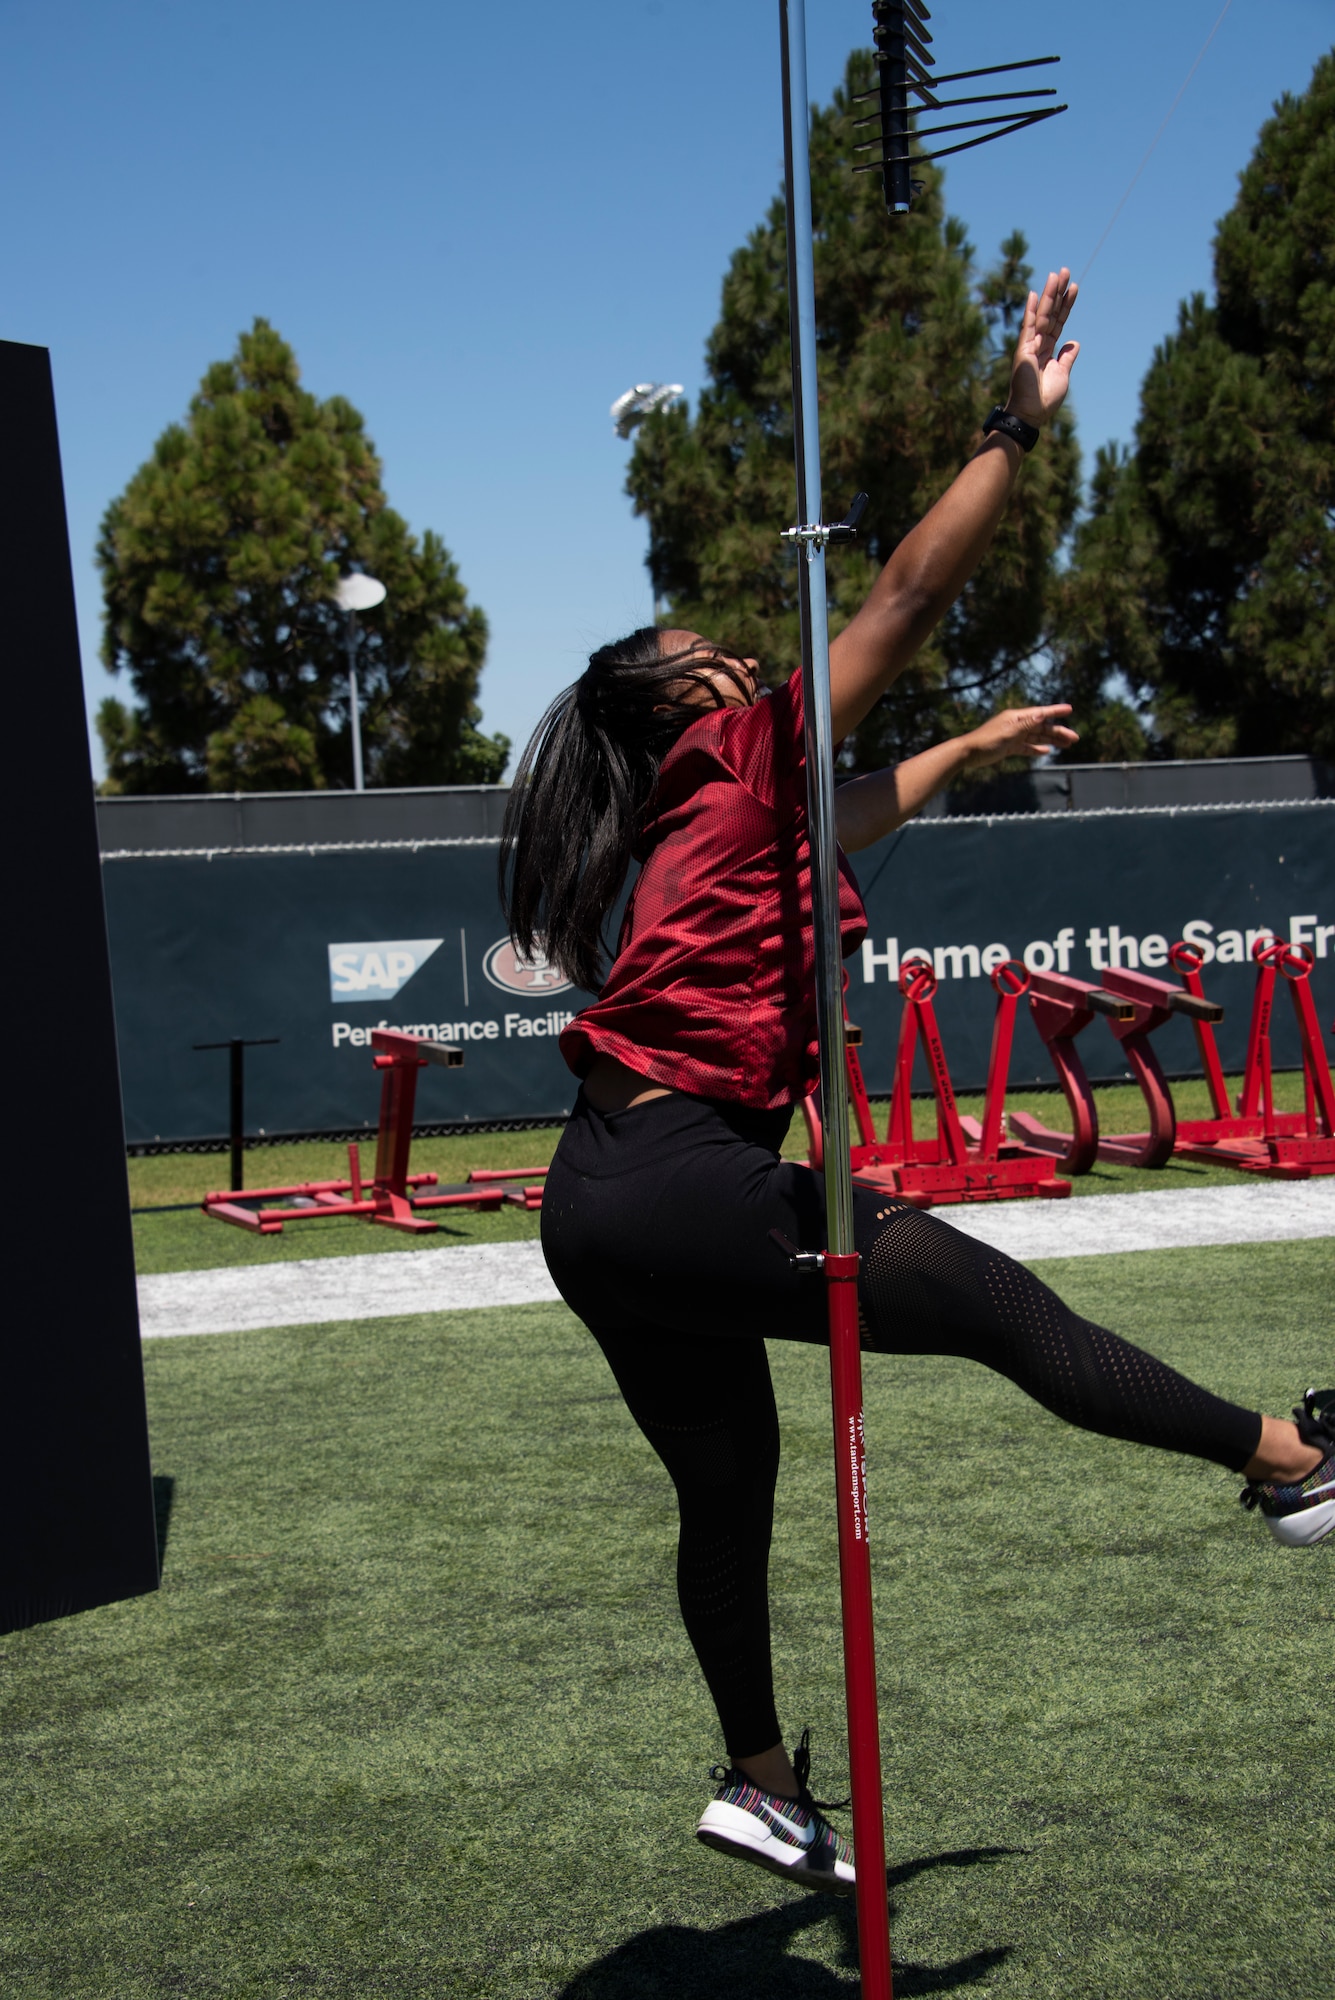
[(319, 1289), (1190, 1218)]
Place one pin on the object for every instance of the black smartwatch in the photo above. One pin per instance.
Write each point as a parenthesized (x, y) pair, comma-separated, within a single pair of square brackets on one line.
[(1025, 435)]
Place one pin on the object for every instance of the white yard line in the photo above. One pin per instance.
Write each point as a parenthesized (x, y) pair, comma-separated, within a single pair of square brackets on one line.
[(329, 1288), (320, 1289)]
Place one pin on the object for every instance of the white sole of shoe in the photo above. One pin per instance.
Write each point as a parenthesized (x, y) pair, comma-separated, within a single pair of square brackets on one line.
[(1304, 1530), (731, 1830)]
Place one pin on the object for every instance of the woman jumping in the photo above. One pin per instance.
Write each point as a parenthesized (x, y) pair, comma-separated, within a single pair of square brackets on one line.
[(659, 1208)]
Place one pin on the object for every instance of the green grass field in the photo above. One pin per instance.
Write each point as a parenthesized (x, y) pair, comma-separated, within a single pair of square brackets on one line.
[(189, 1241), (412, 1715)]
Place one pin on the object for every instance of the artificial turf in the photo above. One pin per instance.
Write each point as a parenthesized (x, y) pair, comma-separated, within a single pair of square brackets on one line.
[(412, 1714), (186, 1240)]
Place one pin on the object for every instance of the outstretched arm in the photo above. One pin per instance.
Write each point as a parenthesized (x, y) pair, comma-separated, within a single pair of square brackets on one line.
[(931, 566), (868, 808)]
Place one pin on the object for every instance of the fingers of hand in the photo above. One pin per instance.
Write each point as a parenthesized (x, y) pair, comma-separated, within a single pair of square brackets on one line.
[(1037, 718), (1059, 295), (1039, 731), (1053, 290)]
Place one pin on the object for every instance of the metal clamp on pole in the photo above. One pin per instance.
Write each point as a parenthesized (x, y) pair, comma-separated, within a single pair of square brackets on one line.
[(819, 535), (807, 1263)]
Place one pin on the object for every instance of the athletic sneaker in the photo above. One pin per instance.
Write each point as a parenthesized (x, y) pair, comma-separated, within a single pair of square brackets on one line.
[(1304, 1513), (790, 1836)]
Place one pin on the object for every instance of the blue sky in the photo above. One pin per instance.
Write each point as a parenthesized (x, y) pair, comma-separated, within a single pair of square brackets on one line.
[(482, 223)]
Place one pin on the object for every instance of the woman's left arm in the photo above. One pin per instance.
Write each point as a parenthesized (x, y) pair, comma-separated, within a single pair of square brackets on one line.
[(866, 809)]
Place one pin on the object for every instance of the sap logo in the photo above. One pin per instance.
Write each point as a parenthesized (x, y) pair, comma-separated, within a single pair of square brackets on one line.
[(513, 974), (376, 971)]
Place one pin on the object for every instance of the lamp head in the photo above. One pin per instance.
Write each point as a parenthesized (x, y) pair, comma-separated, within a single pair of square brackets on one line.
[(359, 592), (640, 402)]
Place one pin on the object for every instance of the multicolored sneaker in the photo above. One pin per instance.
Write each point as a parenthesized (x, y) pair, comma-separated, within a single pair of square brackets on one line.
[(790, 1836), (1302, 1514)]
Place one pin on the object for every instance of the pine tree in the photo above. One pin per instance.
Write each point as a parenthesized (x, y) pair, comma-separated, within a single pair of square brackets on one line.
[(218, 563), (913, 350), (1205, 573)]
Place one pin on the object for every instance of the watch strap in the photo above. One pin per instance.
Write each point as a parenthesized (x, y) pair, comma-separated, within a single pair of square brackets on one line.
[(1025, 435)]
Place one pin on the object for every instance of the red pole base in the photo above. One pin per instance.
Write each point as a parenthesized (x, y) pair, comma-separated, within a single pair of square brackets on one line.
[(864, 1735)]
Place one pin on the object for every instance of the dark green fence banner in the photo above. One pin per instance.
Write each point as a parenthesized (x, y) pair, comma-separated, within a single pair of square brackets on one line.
[(319, 946), (1079, 892)]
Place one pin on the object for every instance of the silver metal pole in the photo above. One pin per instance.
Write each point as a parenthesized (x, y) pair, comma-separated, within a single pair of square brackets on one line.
[(354, 704), (840, 1262), (815, 641)]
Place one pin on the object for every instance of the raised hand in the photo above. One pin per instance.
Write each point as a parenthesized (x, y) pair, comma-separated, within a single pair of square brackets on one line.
[(1041, 371), (1018, 732)]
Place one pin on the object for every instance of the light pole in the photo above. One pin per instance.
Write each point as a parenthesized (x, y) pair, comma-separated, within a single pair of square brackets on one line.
[(352, 594), (634, 406)]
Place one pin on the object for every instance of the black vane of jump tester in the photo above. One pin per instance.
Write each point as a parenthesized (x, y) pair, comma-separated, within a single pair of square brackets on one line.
[(904, 62)]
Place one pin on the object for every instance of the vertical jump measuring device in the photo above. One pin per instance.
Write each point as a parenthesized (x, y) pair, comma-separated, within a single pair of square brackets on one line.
[(903, 62)]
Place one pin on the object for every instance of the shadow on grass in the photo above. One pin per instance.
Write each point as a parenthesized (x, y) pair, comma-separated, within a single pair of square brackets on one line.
[(164, 1489), (749, 1959)]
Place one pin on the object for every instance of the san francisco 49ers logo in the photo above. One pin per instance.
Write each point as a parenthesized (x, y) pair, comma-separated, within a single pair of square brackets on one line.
[(513, 974)]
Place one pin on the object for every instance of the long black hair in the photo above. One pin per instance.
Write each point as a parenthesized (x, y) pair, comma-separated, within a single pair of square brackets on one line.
[(579, 791)]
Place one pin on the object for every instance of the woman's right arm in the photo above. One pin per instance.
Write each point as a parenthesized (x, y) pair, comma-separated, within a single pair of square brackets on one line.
[(931, 566)]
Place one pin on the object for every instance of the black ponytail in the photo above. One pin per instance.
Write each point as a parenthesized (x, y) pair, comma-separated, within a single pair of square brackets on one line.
[(581, 786)]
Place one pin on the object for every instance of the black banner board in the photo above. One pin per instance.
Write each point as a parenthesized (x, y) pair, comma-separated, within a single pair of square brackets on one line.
[(318, 946), (76, 1495)]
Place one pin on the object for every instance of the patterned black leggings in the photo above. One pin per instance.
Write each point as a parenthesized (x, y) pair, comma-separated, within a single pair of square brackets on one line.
[(655, 1226)]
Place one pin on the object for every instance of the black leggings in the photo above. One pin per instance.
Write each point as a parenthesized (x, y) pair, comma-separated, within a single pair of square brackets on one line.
[(656, 1228)]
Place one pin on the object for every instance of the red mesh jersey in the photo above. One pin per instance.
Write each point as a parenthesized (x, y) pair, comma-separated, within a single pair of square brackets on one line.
[(712, 989)]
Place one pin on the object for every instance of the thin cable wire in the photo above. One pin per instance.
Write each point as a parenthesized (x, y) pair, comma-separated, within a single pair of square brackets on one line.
[(1155, 140)]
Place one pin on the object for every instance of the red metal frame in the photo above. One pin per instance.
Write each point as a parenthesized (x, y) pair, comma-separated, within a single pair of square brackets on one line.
[(392, 1196), (1133, 1005), (1257, 1139), (528, 1196), (1010, 980), (1062, 1008), (1152, 1002), (963, 1160)]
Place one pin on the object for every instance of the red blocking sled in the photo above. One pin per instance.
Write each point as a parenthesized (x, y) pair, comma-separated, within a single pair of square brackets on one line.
[(392, 1196), (1062, 1008), (962, 1160), (1134, 1006), (1253, 1137), (1152, 1002)]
